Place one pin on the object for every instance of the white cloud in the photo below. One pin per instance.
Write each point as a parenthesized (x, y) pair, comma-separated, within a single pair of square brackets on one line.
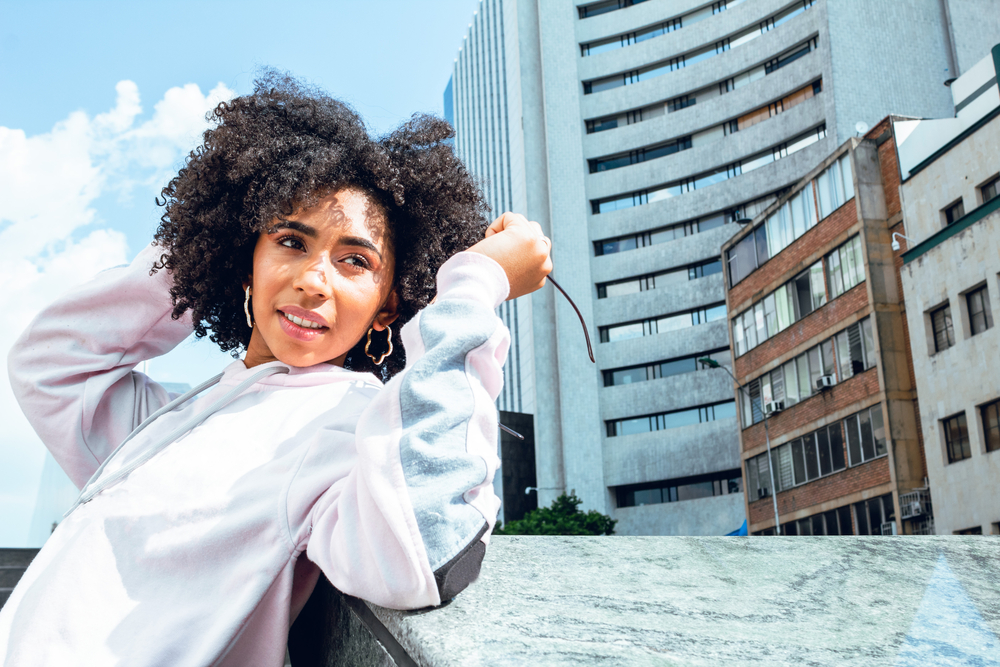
[(51, 239)]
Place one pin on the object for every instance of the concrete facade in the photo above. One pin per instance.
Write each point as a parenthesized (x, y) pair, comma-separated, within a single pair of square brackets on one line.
[(941, 268), (557, 160)]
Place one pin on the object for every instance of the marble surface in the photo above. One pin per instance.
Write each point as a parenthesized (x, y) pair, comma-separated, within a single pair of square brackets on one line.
[(900, 601)]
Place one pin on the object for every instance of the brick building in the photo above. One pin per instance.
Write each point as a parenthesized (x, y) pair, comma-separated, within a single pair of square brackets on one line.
[(820, 346)]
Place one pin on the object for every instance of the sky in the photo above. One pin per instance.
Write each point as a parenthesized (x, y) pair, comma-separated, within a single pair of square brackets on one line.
[(101, 101)]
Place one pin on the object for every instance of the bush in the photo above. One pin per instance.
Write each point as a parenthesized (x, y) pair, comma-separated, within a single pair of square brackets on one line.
[(563, 518)]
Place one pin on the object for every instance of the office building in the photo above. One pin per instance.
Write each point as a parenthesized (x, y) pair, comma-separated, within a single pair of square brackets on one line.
[(637, 133), (950, 272)]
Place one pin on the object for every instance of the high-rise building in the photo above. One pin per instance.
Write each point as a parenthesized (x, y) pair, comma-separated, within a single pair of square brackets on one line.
[(636, 133)]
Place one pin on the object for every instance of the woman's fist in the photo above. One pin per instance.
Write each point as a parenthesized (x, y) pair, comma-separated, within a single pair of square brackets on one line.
[(520, 247)]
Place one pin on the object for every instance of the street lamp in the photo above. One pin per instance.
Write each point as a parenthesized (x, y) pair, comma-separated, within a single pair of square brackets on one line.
[(895, 241), (712, 363)]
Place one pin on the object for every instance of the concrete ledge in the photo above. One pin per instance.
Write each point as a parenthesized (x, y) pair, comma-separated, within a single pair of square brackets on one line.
[(711, 601)]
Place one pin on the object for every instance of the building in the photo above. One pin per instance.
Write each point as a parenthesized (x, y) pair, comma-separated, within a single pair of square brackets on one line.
[(951, 170), (828, 412), (636, 133)]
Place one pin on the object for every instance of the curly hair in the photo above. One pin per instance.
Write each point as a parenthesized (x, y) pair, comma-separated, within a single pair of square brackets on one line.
[(282, 149)]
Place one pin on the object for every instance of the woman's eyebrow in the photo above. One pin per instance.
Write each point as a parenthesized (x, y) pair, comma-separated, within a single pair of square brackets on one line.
[(361, 243), (292, 224)]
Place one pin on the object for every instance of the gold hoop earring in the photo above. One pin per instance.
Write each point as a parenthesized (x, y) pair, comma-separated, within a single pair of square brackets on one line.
[(246, 307), (368, 344)]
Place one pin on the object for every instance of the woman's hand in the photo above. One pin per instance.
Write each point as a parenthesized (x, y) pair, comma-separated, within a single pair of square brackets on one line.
[(520, 247)]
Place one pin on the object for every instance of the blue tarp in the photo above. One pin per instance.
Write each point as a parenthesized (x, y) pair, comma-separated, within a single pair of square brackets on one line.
[(739, 532)]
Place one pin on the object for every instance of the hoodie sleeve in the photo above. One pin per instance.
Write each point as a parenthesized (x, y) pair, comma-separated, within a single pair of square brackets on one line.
[(410, 525), (71, 369)]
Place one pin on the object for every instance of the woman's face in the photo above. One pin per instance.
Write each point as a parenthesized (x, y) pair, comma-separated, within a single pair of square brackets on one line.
[(321, 277)]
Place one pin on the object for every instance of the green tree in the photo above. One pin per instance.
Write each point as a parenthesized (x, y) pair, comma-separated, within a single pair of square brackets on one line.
[(563, 518)]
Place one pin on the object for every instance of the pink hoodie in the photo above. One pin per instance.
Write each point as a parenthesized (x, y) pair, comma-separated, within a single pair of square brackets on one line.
[(193, 556)]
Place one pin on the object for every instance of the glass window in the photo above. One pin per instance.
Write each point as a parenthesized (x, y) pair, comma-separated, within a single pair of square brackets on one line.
[(770, 315), (980, 317), (944, 333), (812, 460), (753, 479), (954, 212), (843, 356), (878, 430), (815, 367), (836, 446), (826, 352), (750, 329), (825, 460), (805, 386), (620, 289), (678, 366), (798, 462), (956, 436), (867, 441), (758, 317), (785, 308), (990, 414), (868, 339), (834, 272), (791, 383), (989, 189), (738, 342), (629, 376), (803, 295), (853, 439), (844, 517), (784, 478), (818, 285)]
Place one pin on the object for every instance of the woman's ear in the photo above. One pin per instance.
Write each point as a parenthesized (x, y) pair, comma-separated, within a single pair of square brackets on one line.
[(388, 313)]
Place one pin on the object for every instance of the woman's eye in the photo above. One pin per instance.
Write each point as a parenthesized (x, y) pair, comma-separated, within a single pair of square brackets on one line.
[(358, 261), (291, 242)]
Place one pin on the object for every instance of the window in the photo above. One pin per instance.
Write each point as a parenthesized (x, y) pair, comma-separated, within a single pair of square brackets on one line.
[(990, 414), (673, 419), (988, 190), (659, 325), (835, 186), (780, 309), (639, 155), (975, 530), (832, 522), (692, 57), (953, 212), (865, 433), (870, 516), (845, 267), (661, 234), (802, 460), (956, 438), (662, 369), (704, 179), (855, 348), (944, 333), (659, 280), (675, 490), (980, 317), (607, 6)]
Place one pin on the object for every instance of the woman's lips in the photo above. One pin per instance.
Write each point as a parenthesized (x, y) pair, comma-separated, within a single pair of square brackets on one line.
[(299, 332)]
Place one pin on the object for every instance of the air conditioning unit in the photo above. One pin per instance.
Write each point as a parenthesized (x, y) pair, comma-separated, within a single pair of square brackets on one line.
[(915, 509), (824, 382), (915, 504), (773, 407), (889, 528)]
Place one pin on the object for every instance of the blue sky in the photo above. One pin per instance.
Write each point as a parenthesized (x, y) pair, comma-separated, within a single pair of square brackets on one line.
[(102, 99)]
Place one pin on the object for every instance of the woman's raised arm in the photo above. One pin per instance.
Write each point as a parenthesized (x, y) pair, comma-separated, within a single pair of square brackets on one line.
[(71, 369)]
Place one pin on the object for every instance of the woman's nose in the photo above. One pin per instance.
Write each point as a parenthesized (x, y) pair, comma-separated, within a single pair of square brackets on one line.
[(314, 278)]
